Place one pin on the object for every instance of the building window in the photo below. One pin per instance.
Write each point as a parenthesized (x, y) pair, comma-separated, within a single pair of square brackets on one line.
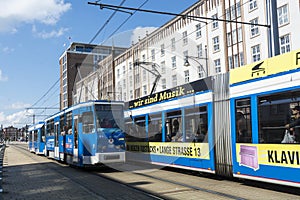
[(163, 67), (240, 34), (238, 9), (173, 46), (285, 44), (252, 5), (229, 40), (234, 39), (185, 54), (184, 38), (118, 73), (199, 51), (187, 76), (215, 22), (242, 62), (216, 43), (217, 65), (144, 57), (198, 30), (173, 59), (200, 72), (131, 94), (163, 84), (174, 80), (137, 78), (130, 81), (230, 62), (124, 83), (255, 50), (283, 15), (144, 89), (153, 55), (130, 65), (162, 50), (254, 28)]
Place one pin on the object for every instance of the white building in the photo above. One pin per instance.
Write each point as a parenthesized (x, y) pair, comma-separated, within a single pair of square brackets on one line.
[(242, 34), (213, 46)]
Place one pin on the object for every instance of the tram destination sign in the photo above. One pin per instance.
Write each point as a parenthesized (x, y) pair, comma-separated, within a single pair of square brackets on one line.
[(182, 90)]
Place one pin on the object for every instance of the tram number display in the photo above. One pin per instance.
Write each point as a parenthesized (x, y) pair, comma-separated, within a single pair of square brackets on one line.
[(190, 150)]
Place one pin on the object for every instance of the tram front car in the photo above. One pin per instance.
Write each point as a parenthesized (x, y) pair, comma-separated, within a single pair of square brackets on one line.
[(102, 134)]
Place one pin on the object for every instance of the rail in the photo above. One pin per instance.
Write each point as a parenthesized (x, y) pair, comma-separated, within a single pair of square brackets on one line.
[(2, 149)]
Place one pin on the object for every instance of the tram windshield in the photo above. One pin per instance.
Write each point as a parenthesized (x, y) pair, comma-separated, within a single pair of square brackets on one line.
[(109, 116)]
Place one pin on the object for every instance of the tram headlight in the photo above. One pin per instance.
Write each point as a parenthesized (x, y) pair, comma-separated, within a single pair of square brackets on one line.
[(110, 141)]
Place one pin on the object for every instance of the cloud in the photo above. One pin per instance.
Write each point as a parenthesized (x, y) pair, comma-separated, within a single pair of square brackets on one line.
[(52, 34), (18, 119), (140, 33), (8, 50), (15, 12), (2, 77), (126, 38), (19, 105)]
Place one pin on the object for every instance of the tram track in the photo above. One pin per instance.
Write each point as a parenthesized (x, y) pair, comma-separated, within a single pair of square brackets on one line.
[(86, 181), (149, 177), (152, 182)]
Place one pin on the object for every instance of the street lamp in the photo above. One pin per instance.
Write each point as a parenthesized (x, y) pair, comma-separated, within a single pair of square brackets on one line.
[(187, 63)]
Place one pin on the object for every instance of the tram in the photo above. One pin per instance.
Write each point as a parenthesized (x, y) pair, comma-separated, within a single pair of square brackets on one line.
[(230, 124), (36, 138), (88, 133)]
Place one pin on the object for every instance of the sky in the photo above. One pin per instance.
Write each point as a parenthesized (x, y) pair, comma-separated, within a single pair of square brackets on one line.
[(35, 33)]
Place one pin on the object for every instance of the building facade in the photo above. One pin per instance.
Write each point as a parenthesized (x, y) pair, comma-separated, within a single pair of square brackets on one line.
[(77, 62), (212, 36)]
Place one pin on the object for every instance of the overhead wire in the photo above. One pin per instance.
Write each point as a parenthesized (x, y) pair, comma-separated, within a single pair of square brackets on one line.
[(125, 21), (98, 32), (106, 22)]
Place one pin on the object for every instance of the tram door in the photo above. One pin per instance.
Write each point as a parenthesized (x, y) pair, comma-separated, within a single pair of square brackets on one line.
[(75, 131), (31, 141), (56, 133)]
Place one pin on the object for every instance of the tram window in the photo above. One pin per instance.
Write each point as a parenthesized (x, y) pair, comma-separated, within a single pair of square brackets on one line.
[(243, 121), (43, 139), (35, 135), (174, 126), (69, 123), (274, 111), (50, 127), (139, 128), (155, 128), (196, 125), (62, 125), (87, 122), (76, 123), (109, 116)]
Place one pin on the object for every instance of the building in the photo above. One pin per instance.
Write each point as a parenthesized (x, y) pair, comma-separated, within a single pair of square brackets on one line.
[(210, 37), (77, 62), (10, 133)]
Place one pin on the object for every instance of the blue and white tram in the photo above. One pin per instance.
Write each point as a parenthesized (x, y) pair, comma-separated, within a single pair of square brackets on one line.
[(243, 114), (263, 94), (88, 133), (173, 127), (36, 138)]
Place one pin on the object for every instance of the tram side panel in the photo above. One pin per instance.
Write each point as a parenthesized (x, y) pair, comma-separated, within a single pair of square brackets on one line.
[(152, 135), (261, 108)]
